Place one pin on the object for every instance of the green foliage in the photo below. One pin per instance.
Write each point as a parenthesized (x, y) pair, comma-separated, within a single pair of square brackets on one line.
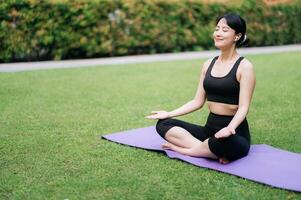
[(65, 29)]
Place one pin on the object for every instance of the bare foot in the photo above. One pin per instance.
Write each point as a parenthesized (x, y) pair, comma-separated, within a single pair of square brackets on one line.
[(223, 160), (167, 145)]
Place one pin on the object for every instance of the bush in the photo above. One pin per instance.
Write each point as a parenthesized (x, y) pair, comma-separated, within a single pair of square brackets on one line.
[(45, 30)]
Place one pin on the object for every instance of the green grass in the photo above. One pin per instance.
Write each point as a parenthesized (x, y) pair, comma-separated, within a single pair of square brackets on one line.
[(50, 121)]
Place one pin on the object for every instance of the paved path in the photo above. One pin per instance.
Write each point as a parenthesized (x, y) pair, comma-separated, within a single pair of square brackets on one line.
[(28, 66)]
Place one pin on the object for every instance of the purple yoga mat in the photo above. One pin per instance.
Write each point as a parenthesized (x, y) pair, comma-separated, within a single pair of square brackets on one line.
[(264, 164)]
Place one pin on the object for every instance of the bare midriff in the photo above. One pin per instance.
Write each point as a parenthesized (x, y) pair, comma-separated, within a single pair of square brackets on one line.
[(222, 108)]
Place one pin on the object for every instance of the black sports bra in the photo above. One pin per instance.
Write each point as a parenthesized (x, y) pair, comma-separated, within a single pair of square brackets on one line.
[(222, 89)]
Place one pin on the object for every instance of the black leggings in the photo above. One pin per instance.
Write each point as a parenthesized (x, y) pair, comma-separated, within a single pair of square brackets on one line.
[(233, 147)]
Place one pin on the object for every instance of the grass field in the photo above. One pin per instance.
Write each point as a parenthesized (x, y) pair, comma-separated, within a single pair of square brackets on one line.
[(50, 121)]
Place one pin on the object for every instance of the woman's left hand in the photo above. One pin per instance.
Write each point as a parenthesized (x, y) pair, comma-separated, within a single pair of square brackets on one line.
[(225, 132)]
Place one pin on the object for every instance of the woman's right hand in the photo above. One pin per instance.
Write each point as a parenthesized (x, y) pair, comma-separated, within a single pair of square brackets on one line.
[(158, 115)]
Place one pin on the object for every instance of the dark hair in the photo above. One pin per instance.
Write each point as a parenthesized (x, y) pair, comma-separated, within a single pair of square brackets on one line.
[(238, 24)]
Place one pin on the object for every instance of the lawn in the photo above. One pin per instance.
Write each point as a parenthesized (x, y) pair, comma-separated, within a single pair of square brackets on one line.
[(50, 122)]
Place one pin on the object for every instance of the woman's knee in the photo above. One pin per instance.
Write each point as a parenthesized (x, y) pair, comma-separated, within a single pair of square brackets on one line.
[(241, 150), (232, 148), (163, 125)]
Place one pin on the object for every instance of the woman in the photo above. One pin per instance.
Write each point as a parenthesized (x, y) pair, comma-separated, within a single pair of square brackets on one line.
[(227, 82)]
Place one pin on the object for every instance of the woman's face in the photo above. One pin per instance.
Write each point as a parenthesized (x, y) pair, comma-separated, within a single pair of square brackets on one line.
[(224, 36)]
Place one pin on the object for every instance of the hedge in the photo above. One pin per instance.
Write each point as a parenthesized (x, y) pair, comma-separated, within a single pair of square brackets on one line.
[(71, 29)]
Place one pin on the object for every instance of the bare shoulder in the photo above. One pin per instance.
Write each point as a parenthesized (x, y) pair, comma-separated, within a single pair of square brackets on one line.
[(246, 65), (246, 70), (206, 65)]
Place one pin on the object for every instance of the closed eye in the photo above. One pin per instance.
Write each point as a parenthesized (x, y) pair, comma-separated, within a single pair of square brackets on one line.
[(224, 29)]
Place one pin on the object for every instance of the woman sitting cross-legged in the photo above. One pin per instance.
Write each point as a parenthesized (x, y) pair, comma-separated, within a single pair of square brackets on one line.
[(227, 83)]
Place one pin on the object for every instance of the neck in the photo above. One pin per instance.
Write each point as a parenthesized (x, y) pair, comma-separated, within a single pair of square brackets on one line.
[(228, 54)]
